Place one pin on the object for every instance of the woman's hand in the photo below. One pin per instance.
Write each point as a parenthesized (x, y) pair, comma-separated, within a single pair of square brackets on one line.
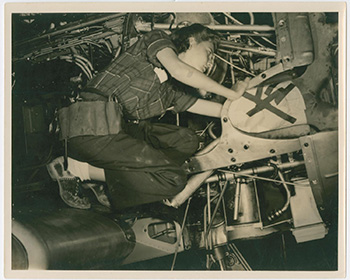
[(239, 88)]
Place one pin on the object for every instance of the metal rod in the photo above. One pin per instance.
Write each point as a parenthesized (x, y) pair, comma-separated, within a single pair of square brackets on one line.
[(237, 199), (269, 52), (216, 209), (234, 66), (146, 27), (238, 22), (180, 233), (231, 175)]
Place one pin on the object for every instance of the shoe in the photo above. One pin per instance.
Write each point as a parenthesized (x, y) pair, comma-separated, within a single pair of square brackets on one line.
[(69, 185), (99, 191)]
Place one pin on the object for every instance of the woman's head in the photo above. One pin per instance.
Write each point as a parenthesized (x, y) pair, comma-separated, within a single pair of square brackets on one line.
[(181, 37), (196, 45)]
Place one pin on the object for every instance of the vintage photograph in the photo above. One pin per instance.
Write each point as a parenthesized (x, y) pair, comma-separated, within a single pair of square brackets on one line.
[(175, 141)]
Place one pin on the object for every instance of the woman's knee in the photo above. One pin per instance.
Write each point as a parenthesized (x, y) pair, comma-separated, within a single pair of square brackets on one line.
[(189, 140)]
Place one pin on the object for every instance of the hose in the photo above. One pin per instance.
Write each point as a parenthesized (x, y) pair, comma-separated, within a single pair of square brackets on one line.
[(277, 213)]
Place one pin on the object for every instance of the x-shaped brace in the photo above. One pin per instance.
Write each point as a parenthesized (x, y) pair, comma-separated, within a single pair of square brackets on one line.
[(261, 104)]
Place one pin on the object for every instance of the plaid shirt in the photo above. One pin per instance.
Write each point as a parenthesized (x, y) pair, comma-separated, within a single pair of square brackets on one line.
[(132, 81)]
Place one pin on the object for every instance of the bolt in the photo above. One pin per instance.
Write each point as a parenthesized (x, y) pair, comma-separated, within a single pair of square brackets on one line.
[(233, 159), (225, 119), (286, 58), (272, 151), (263, 76), (283, 39), (231, 261), (306, 144), (128, 236), (281, 22), (246, 146), (230, 151)]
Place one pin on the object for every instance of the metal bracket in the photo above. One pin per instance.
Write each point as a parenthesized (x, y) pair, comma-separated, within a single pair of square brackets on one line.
[(235, 146)]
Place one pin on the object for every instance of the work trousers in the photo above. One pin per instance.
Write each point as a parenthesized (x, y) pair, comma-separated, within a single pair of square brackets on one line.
[(142, 163)]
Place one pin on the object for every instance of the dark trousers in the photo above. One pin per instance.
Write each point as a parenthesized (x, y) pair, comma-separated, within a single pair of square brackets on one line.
[(142, 163)]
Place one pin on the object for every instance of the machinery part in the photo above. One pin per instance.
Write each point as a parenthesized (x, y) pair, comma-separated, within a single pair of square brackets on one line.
[(192, 185), (223, 154), (154, 238), (278, 213), (294, 40), (71, 239), (308, 224), (246, 204), (231, 175), (233, 248), (320, 152), (148, 26), (19, 255), (179, 236)]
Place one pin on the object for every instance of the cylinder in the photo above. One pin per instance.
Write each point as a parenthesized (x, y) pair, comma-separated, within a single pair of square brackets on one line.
[(69, 239)]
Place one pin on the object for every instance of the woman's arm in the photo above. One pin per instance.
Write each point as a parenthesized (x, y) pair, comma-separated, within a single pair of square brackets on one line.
[(206, 108), (194, 78)]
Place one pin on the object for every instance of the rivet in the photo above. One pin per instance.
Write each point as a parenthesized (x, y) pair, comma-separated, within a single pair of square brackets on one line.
[(246, 146), (233, 159), (263, 76), (230, 151), (306, 144), (225, 119), (272, 151)]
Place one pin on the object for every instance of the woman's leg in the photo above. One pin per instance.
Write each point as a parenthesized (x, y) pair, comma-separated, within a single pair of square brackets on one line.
[(136, 173), (177, 143)]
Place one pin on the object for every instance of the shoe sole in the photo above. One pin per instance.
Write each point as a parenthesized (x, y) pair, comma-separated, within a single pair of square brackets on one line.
[(55, 176)]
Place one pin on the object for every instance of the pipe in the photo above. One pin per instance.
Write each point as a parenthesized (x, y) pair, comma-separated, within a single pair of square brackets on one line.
[(238, 22), (248, 49), (231, 175), (146, 27), (277, 213), (192, 185)]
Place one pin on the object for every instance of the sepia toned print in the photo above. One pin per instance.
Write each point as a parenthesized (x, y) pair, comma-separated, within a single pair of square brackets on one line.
[(175, 141)]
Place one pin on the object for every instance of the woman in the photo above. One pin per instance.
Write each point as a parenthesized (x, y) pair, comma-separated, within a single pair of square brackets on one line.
[(139, 161)]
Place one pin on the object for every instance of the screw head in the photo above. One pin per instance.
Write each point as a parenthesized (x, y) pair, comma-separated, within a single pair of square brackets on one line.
[(230, 151), (224, 119), (306, 144), (272, 151), (233, 159)]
